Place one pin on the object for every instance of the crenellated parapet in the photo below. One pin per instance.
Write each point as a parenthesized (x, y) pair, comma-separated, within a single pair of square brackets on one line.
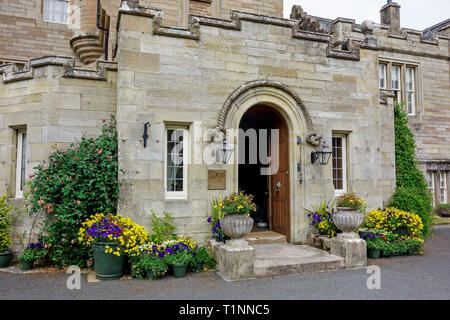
[(11, 73), (344, 40)]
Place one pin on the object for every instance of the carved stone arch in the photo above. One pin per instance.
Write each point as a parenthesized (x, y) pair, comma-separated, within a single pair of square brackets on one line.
[(311, 136)]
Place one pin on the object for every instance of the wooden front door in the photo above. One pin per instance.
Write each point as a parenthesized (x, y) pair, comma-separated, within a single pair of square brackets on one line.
[(279, 183)]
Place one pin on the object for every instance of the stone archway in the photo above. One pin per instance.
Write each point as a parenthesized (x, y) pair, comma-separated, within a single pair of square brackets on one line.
[(289, 106)]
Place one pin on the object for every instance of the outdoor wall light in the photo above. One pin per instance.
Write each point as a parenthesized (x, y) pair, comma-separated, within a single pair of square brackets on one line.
[(226, 151), (323, 154)]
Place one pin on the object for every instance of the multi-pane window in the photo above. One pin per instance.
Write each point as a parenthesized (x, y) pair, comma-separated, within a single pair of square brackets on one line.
[(430, 183), (176, 162), (410, 91), (339, 164), (382, 70), (21, 162), (443, 187), (401, 79), (56, 11), (395, 82)]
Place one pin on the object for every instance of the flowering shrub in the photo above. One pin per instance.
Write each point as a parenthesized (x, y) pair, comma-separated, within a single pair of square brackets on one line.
[(237, 203), (216, 215), (5, 225), (72, 185), (375, 240), (112, 229), (404, 225), (321, 218), (351, 200)]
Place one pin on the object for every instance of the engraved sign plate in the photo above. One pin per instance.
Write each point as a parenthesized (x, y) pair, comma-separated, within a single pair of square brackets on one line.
[(217, 179)]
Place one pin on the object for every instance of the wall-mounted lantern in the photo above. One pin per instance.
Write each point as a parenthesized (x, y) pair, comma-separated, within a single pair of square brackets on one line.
[(225, 151), (323, 154)]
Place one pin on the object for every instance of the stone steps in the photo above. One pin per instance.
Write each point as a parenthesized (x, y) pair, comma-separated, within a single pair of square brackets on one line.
[(264, 237), (285, 258)]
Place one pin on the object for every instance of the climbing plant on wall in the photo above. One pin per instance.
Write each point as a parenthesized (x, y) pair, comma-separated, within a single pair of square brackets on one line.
[(411, 193), (71, 186)]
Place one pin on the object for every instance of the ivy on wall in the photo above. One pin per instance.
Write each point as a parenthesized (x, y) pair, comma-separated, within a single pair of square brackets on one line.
[(412, 192)]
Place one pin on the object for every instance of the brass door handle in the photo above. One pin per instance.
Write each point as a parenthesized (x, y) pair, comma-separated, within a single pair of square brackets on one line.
[(278, 186)]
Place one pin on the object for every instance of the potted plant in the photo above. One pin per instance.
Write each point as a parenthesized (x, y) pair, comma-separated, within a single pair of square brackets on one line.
[(237, 221), (375, 243), (5, 240), (414, 246), (200, 257), (214, 220), (111, 237), (444, 209), (320, 218), (179, 261), (154, 266), (349, 215), (32, 253)]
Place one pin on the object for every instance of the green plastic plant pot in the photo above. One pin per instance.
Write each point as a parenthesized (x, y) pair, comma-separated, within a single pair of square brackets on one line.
[(107, 265), (5, 258), (373, 253), (26, 265), (198, 267), (179, 270)]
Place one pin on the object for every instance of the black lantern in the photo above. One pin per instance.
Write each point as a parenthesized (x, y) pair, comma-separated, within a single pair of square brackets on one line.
[(323, 154), (226, 151)]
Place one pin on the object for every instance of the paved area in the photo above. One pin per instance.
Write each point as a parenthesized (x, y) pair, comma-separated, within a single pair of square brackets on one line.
[(416, 277), (285, 258)]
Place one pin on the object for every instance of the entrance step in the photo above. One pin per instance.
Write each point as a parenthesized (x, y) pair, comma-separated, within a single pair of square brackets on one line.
[(264, 237), (285, 258)]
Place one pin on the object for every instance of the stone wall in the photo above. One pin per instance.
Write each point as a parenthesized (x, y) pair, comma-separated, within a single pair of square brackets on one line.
[(25, 35), (57, 105), (186, 78)]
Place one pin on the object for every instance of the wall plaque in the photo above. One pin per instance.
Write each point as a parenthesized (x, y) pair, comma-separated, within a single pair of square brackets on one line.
[(217, 179)]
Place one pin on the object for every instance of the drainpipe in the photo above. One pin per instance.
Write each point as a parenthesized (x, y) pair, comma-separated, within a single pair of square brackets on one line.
[(106, 31)]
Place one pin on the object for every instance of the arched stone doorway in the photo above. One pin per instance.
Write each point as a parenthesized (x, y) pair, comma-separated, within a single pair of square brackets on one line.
[(280, 99), (263, 144)]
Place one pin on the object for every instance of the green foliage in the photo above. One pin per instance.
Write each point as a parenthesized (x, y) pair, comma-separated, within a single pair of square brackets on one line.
[(376, 242), (201, 255), (321, 217), (162, 228), (157, 266), (182, 256), (5, 224), (444, 206), (32, 254), (74, 184), (416, 201), (412, 193)]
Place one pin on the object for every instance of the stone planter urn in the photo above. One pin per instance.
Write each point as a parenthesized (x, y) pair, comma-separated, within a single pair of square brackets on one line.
[(348, 220), (236, 226)]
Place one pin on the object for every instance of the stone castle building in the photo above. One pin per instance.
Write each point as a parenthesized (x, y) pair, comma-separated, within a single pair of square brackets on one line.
[(189, 71)]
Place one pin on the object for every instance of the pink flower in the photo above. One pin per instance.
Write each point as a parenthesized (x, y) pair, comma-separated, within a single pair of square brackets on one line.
[(99, 151), (77, 159)]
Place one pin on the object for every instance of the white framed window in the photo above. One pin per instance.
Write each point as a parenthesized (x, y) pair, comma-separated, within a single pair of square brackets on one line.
[(442, 187), (410, 91), (396, 82), (176, 159), (430, 183), (339, 157), (56, 11), (382, 71), (21, 153)]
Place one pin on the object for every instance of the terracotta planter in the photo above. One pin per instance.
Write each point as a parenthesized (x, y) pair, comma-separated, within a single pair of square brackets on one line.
[(348, 220), (236, 226)]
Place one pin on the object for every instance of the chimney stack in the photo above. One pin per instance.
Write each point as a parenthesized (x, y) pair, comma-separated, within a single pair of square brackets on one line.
[(390, 15)]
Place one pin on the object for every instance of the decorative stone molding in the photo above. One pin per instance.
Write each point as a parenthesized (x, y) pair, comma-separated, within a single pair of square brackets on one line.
[(311, 137), (306, 22), (11, 74), (304, 29), (87, 47)]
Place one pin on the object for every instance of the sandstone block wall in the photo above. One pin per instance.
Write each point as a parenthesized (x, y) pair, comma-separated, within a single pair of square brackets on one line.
[(56, 112)]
